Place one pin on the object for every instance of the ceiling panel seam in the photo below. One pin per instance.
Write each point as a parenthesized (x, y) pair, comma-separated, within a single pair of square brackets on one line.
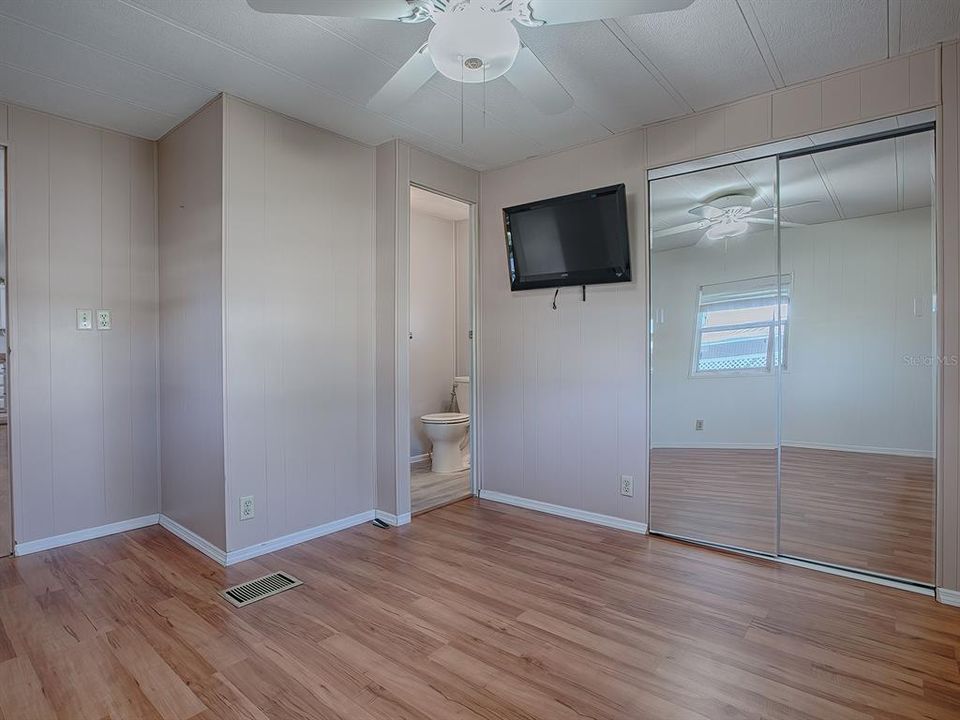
[(828, 186), (894, 19), (749, 15), (107, 54), (616, 29), (283, 71), (85, 88)]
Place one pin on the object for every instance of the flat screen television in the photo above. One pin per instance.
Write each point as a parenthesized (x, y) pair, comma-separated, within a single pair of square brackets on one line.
[(578, 239)]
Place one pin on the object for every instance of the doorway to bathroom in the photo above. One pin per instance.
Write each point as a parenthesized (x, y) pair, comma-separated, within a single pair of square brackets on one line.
[(440, 350)]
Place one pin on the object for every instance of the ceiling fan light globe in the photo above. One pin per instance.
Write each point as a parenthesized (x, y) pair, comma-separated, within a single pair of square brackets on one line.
[(473, 32), (726, 229)]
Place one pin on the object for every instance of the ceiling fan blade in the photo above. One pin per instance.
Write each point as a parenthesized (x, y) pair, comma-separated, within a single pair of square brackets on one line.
[(371, 9), (677, 230), (769, 221), (530, 77), (411, 76), (783, 207), (555, 12), (707, 212)]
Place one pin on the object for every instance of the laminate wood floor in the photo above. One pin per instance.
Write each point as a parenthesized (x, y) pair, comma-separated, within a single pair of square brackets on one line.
[(429, 490), (476, 610), (872, 512)]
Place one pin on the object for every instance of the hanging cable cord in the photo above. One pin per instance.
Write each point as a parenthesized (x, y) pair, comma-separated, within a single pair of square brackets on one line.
[(555, 298)]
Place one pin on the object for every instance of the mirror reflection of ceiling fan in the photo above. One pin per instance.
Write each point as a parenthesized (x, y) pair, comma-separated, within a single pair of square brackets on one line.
[(473, 41), (728, 215)]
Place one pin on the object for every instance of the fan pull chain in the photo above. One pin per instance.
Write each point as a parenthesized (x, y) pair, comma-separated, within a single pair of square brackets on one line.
[(461, 99)]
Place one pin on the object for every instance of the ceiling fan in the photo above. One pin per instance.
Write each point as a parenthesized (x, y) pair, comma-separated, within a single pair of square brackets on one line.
[(473, 41), (728, 215)]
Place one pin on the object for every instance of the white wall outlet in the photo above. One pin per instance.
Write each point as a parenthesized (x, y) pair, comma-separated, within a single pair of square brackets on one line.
[(626, 485), (103, 320), (699, 425), (246, 507), (84, 319)]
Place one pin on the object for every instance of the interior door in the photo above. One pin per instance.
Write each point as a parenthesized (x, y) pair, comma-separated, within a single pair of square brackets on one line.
[(858, 465), (716, 347)]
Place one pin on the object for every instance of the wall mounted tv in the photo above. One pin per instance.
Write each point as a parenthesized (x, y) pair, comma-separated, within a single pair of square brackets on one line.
[(578, 239)]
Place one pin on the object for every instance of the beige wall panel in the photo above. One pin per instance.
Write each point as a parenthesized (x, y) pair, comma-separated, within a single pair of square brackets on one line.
[(747, 123), (80, 200), (797, 111), (709, 130), (924, 90), (885, 88), (840, 98), (191, 307), (671, 141)]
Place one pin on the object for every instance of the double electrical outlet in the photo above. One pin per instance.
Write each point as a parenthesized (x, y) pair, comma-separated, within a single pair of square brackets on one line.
[(85, 319)]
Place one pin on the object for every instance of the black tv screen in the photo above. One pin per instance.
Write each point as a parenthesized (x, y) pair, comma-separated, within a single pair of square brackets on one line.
[(578, 239)]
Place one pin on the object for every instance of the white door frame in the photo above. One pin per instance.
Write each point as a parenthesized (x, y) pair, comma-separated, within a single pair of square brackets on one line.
[(402, 364)]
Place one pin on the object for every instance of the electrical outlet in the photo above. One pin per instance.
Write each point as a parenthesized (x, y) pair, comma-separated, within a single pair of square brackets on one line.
[(626, 485), (699, 425), (103, 320), (84, 319), (246, 507)]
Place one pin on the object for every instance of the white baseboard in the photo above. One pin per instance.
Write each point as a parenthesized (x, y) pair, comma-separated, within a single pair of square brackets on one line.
[(235, 556), (25, 548), (567, 512), (194, 540), (864, 449), (948, 597), (391, 519)]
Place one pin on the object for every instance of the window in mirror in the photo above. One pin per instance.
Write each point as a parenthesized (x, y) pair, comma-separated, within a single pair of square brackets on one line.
[(737, 326)]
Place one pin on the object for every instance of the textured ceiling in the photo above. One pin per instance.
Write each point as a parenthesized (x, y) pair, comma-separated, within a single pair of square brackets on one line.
[(850, 182), (141, 66)]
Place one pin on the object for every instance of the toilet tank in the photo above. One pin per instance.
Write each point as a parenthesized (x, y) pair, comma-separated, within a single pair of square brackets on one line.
[(462, 385)]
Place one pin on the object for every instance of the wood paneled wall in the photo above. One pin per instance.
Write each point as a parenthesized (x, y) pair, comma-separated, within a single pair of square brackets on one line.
[(191, 305), (84, 404), (948, 148), (298, 259)]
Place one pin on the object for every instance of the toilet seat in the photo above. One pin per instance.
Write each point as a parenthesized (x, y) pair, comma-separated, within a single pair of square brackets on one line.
[(445, 418)]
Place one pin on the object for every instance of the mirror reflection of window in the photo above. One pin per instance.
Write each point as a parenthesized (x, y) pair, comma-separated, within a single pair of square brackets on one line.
[(737, 326)]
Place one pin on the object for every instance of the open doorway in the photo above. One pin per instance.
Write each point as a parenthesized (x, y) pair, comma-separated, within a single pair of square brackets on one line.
[(440, 350)]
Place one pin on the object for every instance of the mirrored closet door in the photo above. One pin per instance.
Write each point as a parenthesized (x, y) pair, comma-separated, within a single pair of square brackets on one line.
[(714, 351), (793, 353), (858, 430)]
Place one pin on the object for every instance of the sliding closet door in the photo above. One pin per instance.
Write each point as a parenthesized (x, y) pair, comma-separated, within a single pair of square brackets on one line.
[(858, 468), (716, 347)]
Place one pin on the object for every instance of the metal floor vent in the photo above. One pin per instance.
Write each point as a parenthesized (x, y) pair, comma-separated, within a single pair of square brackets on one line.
[(263, 587)]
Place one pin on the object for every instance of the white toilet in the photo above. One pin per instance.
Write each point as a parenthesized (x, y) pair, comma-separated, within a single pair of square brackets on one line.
[(447, 432)]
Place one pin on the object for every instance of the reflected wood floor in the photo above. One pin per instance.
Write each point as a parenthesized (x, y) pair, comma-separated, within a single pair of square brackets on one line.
[(477, 610), (430, 490), (872, 512)]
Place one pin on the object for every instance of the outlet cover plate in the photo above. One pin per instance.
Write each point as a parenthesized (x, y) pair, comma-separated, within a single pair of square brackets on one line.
[(104, 322), (84, 319), (626, 485), (246, 507)]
